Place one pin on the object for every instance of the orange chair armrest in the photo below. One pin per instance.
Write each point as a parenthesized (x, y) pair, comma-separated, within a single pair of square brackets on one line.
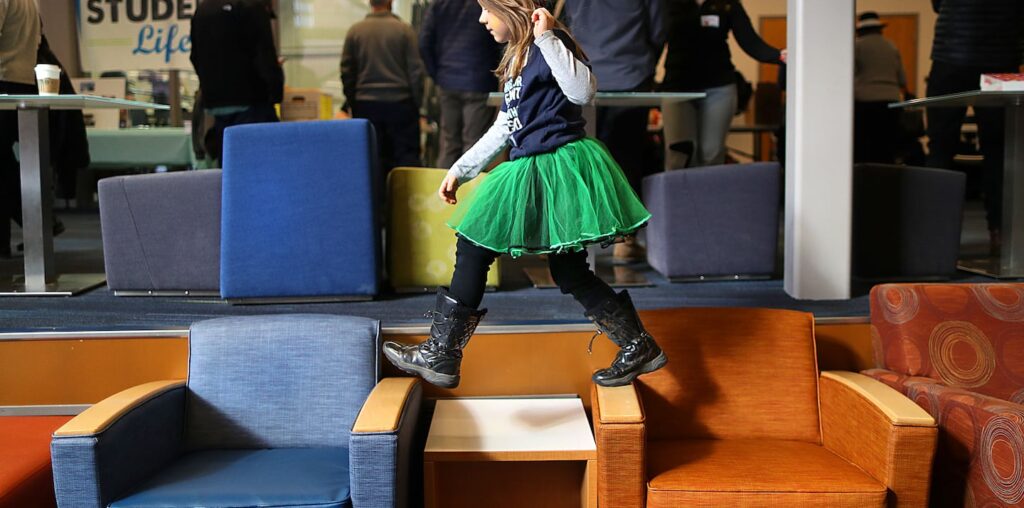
[(104, 413), (878, 429), (619, 404), (620, 434), (382, 411)]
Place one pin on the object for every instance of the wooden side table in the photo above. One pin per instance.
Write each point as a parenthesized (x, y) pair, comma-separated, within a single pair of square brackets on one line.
[(473, 445)]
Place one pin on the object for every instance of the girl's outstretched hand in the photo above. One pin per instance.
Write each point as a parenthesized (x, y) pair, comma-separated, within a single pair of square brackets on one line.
[(542, 21), (448, 188)]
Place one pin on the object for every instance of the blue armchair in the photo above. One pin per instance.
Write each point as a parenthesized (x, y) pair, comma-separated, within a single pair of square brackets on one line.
[(279, 410)]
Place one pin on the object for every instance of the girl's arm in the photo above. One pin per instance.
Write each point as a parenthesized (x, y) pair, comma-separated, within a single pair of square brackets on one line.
[(483, 151), (573, 76)]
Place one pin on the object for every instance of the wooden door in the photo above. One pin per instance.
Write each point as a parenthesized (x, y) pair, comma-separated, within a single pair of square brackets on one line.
[(902, 30)]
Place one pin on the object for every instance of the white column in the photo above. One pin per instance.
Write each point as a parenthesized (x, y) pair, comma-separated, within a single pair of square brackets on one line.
[(819, 148)]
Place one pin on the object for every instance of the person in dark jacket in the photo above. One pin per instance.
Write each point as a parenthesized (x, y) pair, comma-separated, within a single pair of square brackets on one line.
[(382, 77), (460, 56), (878, 80), (698, 60), (69, 145), (20, 32), (973, 37), (623, 40), (235, 58)]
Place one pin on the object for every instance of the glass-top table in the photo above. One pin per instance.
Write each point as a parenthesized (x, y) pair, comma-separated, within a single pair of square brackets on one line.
[(616, 276), (638, 99), (41, 277), (1010, 263)]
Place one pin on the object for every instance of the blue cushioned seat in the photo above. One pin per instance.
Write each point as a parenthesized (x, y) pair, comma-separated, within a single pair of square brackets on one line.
[(269, 416), (231, 478), (298, 217)]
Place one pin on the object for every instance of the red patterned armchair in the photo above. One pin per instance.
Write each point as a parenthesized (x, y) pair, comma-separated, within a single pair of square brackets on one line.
[(958, 351)]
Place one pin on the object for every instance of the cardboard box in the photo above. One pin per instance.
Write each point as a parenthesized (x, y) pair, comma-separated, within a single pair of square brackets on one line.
[(1002, 82), (306, 104)]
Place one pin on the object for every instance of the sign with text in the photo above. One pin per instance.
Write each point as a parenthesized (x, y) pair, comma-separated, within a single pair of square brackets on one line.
[(134, 34)]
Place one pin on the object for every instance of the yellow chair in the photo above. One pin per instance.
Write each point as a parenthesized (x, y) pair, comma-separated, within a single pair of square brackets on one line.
[(420, 246)]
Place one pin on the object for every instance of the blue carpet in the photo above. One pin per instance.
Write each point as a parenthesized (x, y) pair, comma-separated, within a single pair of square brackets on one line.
[(79, 250)]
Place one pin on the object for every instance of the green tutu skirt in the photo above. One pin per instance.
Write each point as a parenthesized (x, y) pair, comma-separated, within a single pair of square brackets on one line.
[(552, 202)]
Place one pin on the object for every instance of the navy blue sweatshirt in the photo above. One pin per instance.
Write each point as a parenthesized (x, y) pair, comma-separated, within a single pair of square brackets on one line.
[(540, 117)]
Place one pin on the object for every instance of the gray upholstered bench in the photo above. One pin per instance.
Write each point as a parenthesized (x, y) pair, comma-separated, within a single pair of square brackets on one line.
[(161, 233), (714, 222), (906, 222)]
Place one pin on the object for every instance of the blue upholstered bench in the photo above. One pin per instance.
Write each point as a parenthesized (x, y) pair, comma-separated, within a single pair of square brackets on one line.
[(299, 220)]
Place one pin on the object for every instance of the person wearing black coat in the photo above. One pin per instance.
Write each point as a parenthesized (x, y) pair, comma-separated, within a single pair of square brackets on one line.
[(973, 37), (460, 56), (699, 60), (235, 58)]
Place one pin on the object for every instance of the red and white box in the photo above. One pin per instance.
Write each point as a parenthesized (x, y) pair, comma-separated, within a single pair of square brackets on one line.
[(1009, 82)]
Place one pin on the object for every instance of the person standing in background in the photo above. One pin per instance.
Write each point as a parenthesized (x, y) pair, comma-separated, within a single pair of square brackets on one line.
[(699, 60), (382, 76), (460, 57), (623, 40), (878, 79), (20, 35), (235, 58), (973, 37)]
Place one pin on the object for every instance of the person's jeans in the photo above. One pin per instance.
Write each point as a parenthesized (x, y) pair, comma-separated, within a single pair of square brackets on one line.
[(695, 131), (465, 117), (944, 131)]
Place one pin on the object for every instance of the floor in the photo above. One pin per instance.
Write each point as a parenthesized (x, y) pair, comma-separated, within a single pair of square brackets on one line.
[(79, 250)]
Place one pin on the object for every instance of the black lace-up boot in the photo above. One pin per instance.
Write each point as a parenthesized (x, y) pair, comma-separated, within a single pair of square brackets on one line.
[(638, 353), (438, 359)]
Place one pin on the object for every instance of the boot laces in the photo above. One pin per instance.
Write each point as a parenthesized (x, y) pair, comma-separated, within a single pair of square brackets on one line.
[(590, 347)]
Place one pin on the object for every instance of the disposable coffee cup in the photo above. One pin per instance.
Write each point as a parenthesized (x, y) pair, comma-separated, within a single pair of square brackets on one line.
[(48, 79)]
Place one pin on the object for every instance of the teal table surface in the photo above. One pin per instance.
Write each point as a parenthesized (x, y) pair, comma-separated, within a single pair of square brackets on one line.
[(72, 102), (168, 146)]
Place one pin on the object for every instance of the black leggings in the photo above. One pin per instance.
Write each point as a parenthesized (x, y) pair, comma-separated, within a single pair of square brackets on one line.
[(569, 270)]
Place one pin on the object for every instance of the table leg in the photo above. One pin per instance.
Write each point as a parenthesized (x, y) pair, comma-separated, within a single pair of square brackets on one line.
[(588, 492), (430, 485), (1010, 263), (41, 278), (1012, 256), (36, 197)]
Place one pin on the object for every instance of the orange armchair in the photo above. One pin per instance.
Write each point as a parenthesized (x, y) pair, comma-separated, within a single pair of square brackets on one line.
[(740, 416), (958, 351)]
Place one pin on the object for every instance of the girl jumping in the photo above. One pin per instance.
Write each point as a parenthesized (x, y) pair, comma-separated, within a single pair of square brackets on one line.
[(559, 192)]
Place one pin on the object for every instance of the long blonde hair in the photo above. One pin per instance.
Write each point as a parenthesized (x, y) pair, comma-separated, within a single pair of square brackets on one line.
[(515, 14)]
